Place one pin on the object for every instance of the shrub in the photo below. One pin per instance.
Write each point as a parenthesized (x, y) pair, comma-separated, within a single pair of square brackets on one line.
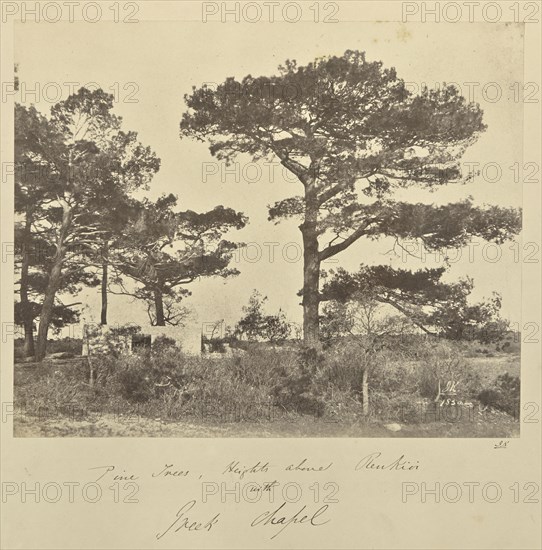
[(295, 393), (442, 361), (18, 349), (297, 390), (261, 365), (214, 345), (134, 383), (110, 341), (400, 407), (163, 343), (504, 395), (164, 363), (393, 375), (489, 397), (257, 326), (51, 390), (344, 367)]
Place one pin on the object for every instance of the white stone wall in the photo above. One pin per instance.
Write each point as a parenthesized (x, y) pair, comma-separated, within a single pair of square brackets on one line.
[(95, 338), (188, 337)]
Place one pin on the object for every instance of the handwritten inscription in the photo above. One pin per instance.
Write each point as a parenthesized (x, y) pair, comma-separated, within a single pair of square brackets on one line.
[(303, 466), (374, 461), (168, 470), (235, 468), (195, 516), (104, 471), (185, 522), (279, 517)]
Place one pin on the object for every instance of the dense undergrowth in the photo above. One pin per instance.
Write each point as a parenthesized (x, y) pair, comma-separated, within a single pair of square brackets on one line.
[(263, 382)]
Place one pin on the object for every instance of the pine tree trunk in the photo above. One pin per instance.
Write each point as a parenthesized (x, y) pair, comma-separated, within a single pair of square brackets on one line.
[(29, 349), (311, 276), (53, 284), (28, 319), (159, 308), (105, 265), (47, 309)]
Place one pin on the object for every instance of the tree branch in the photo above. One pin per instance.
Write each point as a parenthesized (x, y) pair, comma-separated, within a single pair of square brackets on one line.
[(339, 247)]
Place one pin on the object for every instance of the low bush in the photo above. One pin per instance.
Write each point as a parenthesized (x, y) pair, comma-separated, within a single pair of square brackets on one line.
[(134, 382), (296, 393), (51, 389), (442, 362), (504, 395), (344, 367), (162, 343), (403, 408), (18, 349)]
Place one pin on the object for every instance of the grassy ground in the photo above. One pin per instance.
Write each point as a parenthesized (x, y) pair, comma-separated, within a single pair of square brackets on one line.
[(491, 367), (40, 388)]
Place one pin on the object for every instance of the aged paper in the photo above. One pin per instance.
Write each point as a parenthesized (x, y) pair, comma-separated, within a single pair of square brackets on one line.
[(270, 275)]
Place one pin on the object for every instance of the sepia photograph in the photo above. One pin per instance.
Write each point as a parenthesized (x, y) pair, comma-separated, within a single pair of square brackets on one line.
[(314, 235), (270, 275)]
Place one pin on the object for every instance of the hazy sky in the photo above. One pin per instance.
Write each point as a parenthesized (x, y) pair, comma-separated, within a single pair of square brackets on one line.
[(154, 64)]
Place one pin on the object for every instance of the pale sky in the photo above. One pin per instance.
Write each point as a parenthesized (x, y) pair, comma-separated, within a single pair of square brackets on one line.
[(155, 63)]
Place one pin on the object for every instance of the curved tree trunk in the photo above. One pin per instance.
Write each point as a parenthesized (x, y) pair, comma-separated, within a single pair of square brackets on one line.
[(53, 284), (47, 309)]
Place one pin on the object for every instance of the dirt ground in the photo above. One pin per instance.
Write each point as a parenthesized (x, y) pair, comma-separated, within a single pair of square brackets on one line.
[(473, 424)]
